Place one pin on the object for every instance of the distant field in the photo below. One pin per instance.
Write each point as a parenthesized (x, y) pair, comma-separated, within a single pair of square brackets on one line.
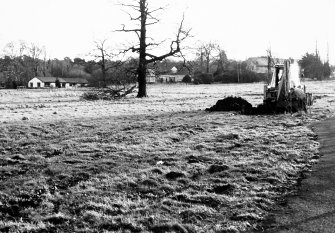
[(62, 104), (159, 164)]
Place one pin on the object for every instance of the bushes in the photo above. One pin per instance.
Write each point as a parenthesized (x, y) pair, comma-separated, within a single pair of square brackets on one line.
[(244, 77), (187, 79), (11, 83), (203, 78), (57, 83), (229, 76)]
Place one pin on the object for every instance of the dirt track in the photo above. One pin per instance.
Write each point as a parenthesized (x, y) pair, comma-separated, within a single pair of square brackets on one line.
[(313, 208)]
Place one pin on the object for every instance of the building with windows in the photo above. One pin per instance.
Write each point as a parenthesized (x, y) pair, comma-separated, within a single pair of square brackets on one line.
[(172, 76), (50, 82)]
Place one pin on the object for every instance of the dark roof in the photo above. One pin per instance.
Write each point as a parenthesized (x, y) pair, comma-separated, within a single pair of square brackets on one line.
[(63, 80), (50, 79), (182, 71), (76, 80)]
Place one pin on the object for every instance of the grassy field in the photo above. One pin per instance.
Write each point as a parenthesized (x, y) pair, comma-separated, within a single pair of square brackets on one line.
[(159, 164)]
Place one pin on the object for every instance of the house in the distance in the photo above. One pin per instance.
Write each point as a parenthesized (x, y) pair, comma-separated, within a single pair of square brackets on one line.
[(258, 64), (76, 82), (50, 82), (172, 76)]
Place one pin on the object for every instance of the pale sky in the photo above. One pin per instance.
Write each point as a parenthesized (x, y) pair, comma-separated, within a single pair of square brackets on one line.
[(243, 28)]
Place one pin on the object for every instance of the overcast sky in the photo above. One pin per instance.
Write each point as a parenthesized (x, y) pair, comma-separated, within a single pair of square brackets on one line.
[(243, 28)]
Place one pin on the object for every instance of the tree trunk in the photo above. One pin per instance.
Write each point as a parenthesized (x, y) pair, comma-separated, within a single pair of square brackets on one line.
[(221, 63), (104, 85), (201, 60), (103, 68), (207, 64), (142, 67), (35, 69)]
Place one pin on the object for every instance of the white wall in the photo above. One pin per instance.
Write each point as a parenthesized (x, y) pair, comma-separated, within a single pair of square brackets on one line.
[(34, 83)]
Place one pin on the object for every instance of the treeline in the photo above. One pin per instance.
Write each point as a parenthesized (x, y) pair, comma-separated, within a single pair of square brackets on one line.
[(314, 68), (231, 72), (21, 62), (212, 65)]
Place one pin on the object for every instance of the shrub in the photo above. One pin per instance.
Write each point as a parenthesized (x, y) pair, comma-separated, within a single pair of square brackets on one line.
[(246, 76), (57, 83), (202, 78), (187, 79)]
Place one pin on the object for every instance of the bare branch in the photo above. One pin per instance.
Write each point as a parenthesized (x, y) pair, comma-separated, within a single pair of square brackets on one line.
[(136, 30), (131, 17), (128, 30), (158, 9), (148, 24), (174, 46), (145, 19), (135, 7)]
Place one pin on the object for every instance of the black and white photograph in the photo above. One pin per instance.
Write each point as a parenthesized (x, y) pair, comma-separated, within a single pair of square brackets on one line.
[(167, 116)]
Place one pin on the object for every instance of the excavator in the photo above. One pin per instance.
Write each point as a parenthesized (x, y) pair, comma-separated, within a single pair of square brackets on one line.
[(285, 93)]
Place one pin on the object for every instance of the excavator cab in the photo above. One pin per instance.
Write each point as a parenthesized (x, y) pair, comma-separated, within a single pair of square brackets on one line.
[(285, 91), (271, 90)]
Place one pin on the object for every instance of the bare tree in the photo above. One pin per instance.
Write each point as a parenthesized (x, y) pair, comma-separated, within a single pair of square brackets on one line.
[(45, 63), (103, 56), (208, 53), (222, 60), (145, 17), (15, 52), (34, 52)]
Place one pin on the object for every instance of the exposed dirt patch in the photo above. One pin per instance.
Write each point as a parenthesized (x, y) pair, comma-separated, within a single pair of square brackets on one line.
[(231, 104)]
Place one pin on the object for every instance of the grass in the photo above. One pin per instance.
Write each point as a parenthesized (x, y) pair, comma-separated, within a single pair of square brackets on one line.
[(191, 172), (182, 171)]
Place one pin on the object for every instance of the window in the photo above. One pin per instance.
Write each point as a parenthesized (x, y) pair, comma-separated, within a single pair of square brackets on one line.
[(38, 84), (31, 85)]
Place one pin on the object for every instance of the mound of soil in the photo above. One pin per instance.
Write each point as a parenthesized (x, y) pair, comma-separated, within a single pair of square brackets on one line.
[(240, 105), (232, 103)]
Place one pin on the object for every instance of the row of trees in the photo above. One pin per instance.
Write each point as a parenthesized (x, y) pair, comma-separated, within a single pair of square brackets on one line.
[(314, 68), (211, 64), (23, 61)]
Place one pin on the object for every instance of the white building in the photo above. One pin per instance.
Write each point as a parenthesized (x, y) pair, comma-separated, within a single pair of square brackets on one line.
[(47, 82), (171, 77)]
